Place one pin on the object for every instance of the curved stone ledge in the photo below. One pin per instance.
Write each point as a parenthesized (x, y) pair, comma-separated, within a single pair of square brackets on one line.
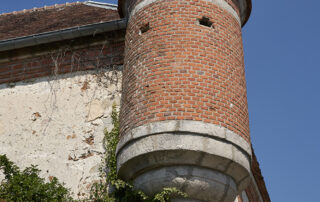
[(196, 127), (159, 154), (173, 149)]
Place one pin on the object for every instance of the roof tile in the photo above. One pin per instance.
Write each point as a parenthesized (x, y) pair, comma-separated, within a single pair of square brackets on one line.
[(52, 18)]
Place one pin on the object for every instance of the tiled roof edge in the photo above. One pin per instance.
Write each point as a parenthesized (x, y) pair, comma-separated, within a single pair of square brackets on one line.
[(258, 191), (64, 34), (88, 3), (258, 179), (41, 8), (101, 5)]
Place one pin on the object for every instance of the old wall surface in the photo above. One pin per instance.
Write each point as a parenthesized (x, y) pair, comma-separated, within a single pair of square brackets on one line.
[(58, 123)]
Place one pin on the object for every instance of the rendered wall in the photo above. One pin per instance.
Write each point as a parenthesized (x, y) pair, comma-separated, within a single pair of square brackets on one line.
[(58, 123), (55, 102)]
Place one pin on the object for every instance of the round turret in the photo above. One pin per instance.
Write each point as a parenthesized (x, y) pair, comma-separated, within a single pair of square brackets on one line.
[(184, 116)]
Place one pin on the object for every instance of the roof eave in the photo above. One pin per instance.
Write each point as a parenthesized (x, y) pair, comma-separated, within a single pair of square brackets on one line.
[(64, 34)]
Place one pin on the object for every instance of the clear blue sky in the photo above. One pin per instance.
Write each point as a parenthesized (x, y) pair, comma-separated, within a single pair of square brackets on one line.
[(282, 56)]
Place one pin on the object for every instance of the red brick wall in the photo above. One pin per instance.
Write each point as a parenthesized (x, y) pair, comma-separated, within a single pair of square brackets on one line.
[(180, 70), (252, 193), (68, 61)]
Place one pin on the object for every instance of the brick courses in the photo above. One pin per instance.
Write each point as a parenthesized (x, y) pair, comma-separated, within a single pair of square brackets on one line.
[(180, 70), (73, 59)]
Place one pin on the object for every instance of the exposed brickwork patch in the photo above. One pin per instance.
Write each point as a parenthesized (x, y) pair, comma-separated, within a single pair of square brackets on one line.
[(61, 62)]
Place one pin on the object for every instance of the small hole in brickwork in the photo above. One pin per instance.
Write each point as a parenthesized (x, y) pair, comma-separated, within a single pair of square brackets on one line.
[(205, 21), (144, 28), (200, 73)]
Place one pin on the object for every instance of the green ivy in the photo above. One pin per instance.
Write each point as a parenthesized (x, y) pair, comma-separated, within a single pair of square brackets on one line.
[(119, 190), (26, 185), (112, 139)]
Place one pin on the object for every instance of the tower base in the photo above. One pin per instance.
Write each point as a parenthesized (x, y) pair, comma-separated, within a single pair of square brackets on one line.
[(208, 162), (200, 184)]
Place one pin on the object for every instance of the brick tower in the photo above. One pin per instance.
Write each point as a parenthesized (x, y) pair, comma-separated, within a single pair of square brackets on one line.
[(184, 116)]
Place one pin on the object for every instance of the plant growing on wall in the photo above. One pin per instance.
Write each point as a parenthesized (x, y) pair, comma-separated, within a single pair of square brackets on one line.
[(115, 189), (26, 185)]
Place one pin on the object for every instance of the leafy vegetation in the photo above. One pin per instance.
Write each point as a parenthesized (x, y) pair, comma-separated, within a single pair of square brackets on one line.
[(26, 185)]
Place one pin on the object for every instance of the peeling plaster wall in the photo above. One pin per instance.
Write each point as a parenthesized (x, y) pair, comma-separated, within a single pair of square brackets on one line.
[(58, 123)]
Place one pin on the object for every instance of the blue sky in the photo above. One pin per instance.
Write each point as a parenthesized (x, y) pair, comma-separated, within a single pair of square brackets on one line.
[(282, 56)]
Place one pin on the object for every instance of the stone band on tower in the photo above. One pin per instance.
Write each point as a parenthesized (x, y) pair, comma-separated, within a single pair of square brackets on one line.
[(184, 115)]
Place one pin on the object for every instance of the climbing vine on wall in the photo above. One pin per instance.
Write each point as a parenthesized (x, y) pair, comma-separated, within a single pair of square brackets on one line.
[(115, 189)]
